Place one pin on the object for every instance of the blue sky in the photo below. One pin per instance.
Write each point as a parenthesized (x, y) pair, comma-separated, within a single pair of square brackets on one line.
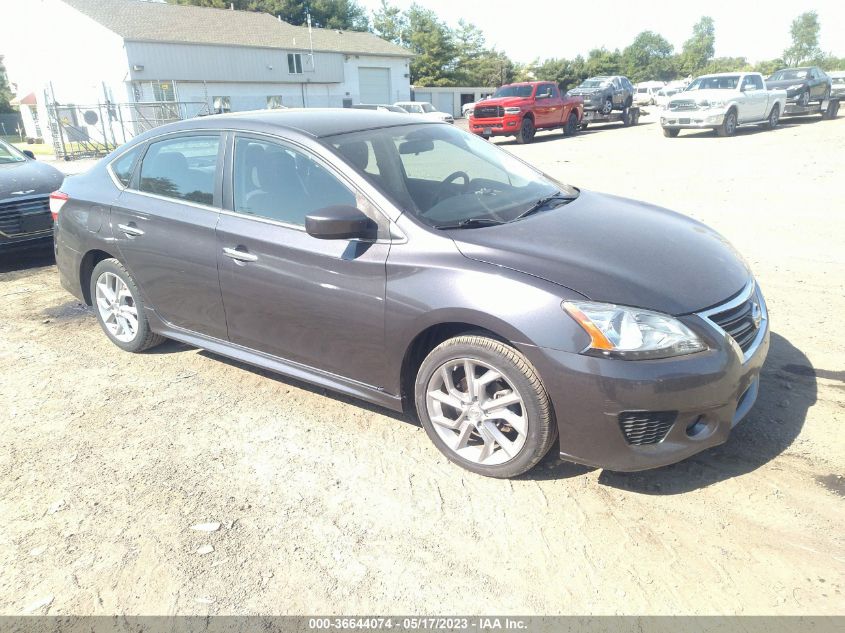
[(543, 28)]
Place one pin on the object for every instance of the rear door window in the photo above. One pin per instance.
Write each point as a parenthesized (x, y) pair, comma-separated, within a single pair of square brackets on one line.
[(183, 168)]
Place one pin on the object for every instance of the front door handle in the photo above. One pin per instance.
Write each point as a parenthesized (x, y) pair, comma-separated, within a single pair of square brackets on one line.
[(130, 230), (239, 255)]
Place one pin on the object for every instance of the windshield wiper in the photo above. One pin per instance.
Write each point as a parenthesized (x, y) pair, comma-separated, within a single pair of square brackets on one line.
[(542, 202), (470, 223)]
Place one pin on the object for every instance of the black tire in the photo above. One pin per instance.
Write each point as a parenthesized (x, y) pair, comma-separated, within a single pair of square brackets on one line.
[(583, 126), (669, 132), (774, 117), (571, 127), (728, 127), (526, 131), (831, 110), (626, 117), (144, 337), (516, 369), (804, 98)]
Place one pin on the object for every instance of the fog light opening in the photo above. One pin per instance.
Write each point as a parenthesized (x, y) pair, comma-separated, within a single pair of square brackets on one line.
[(698, 428)]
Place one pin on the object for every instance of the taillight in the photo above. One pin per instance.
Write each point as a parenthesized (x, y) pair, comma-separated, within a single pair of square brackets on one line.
[(57, 201)]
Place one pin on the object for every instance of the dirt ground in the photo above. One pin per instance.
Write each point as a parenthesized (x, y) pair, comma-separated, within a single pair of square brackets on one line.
[(329, 505)]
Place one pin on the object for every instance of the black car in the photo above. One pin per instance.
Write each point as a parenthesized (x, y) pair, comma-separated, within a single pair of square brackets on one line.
[(605, 93), (802, 85), (414, 265), (25, 187)]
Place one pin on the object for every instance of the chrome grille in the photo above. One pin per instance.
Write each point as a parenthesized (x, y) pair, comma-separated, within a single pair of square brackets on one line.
[(12, 212), (683, 104), (742, 318)]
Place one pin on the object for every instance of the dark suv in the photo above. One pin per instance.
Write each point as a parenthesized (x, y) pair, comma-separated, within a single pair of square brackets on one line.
[(605, 93), (417, 266)]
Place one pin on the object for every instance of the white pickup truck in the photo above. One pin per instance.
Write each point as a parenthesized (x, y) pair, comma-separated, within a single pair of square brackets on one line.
[(723, 102)]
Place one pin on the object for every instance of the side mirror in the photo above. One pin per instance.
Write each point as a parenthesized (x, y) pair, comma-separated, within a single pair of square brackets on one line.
[(28, 153), (340, 222)]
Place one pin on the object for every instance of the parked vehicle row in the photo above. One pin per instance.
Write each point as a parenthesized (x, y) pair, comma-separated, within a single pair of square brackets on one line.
[(405, 262)]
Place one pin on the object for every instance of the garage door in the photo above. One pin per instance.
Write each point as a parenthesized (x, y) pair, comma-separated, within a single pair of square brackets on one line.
[(445, 102), (374, 85)]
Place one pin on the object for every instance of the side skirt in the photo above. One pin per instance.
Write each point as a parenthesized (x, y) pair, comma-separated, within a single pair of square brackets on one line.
[(275, 364)]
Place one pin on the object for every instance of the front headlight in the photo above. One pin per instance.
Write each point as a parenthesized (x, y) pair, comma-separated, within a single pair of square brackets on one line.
[(631, 333), (707, 103), (513, 110)]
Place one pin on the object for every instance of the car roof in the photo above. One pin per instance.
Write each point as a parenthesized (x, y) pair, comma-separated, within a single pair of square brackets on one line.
[(316, 122)]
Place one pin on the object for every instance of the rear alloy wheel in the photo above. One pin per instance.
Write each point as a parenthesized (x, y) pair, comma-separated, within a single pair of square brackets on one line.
[(119, 307), (484, 407), (571, 127), (526, 131), (728, 127), (608, 107), (774, 117)]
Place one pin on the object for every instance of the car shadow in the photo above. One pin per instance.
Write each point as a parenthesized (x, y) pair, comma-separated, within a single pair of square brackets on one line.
[(784, 124), (24, 258), (293, 382), (788, 389)]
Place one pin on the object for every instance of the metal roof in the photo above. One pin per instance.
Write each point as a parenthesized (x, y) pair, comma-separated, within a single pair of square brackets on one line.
[(138, 20)]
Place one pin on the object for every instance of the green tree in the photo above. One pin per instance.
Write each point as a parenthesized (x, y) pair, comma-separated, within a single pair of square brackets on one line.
[(568, 73), (434, 44), (390, 23), (5, 89), (725, 65), (330, 14), (805, 40), (648, 57), (700, 48), (601, 61), (769, 66)]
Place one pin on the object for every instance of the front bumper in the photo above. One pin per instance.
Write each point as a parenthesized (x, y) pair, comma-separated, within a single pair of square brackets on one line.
[(703, 396), (507, 125), (692, 119)]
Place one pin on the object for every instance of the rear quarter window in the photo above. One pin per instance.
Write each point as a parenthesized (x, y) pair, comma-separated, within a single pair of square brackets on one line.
[(124, 166)]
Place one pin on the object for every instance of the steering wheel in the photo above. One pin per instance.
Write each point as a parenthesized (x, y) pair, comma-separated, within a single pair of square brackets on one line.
[(441, 193)]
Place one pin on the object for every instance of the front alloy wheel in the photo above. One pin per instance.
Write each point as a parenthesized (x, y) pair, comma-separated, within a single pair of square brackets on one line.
[(483, 405)]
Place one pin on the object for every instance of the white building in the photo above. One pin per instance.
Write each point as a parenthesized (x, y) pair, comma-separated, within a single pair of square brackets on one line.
[(449, 99), (134, 51)]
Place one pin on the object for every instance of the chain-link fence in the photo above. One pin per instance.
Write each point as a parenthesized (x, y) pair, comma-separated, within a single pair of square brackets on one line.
[(90, 131)]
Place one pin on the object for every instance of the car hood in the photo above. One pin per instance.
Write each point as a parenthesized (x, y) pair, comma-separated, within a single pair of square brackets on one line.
[(586, 91), (616, 250), (28, 178), (699, 95), (505, 102), (783, 84)]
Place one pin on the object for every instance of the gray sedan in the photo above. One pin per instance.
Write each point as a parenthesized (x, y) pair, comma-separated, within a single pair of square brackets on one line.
[(410, 264)]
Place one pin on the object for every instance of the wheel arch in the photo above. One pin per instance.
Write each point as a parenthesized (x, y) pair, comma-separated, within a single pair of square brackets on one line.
[(86, 268), (426, 340)]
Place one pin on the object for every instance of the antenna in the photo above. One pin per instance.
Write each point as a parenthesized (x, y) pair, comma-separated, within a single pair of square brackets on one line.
[(310, 40)]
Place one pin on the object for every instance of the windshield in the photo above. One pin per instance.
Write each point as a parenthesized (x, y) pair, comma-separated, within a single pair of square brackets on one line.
[(427, 107), (726, 82), (414, 108), (391, 108), (838, 80), (513, 91), (786, 75), (444, 176), (9, 154), (595, 82)]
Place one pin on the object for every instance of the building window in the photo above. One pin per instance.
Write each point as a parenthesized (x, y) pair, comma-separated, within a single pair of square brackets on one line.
[(274, 102), (295, 63), (163, 91), (221, 105)]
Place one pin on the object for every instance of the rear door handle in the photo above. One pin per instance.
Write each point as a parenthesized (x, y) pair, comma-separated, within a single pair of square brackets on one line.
[(130, 230), (239, 255)]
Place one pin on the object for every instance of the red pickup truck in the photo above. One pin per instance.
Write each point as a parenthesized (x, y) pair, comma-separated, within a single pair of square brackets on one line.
[(521, 109)]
